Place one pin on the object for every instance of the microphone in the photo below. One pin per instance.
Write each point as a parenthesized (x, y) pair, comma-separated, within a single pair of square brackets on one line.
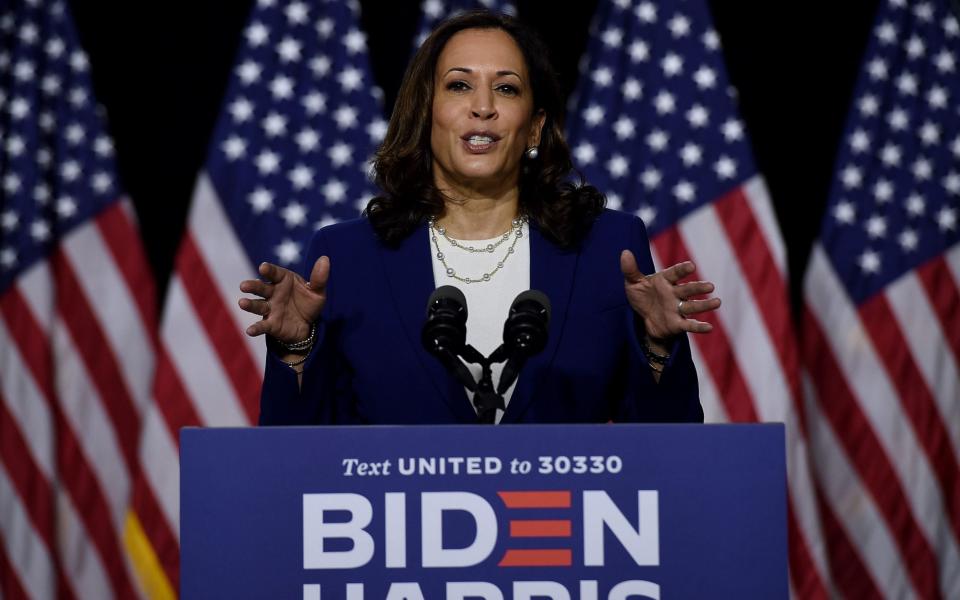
[(524, 334), (444, 334)]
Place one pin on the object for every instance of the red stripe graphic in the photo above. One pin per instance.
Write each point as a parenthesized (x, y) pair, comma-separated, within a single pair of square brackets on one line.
[(868, 457), (941, 287), (172, 399), (225, 336), (559, 499), (806, 579), (540, 528), (10, 586), (846, 567), (537, 558)]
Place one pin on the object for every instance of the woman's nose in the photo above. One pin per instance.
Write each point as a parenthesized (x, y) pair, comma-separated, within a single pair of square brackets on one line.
[(483, 106)]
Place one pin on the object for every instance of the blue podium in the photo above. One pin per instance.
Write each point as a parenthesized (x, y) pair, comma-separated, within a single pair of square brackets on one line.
[(568, 512)]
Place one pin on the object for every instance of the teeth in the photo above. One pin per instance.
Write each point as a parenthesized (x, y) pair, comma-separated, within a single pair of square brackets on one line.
[(477, 140)]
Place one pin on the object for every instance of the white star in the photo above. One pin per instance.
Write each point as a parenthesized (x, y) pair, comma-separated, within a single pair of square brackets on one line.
[(350, 79), (684, 191), (930, 134), (955, 147), (691, 154), (916, 205), (951, 183), (355, 41), (297, 13), (664, 102), (78, 97), (434, 8), (915, 47), (705, 78), (54, 48), (646, 213), (234, 148), (593, 115), (101, 182), (947, 219), (869, 262), (658, 140), (103, 146), (8, 258), (66, 207), (15, 145), (40, 231), (267, 162), (249, 72), (602, 76), (945, 62), (887, 33), (315, 103), (612, 37), (281, 87), (679, 26), (23, 70), (11, 183), (860, 141), (307, 139), (624, 128), (274, 124), (726, 168), (289, 50), (41, 193), (877, 69), (28, 33), (646, 12), (325, 27), (650, 178), (334, 191), (241, 109), (924, 12), (937, 98), (868, 106), (922, 169), (618, 166), (46, 121), (257, 34), (294, 214), (320, 66), (78, 61), (851, 177), (951, 26), (732, 130), (614, 202), (883, 191), (260, 200), (907, 84), (325, 220), (288, 252), (50, 85), (639, 51), (377, 129), (340, 154), (698, 116), (671, 64), (70, 170), (345, 116), (898, 119), (890, 155), (876, 226), (908, 240), (19, 108), (584, 153), (9, 221), (711, 40), (631, 89)]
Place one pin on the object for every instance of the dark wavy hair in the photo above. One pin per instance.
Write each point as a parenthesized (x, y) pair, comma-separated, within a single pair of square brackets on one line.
[(563, 210)]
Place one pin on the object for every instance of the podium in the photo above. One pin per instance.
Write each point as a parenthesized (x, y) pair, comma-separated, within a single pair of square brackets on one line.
[(589, 512)]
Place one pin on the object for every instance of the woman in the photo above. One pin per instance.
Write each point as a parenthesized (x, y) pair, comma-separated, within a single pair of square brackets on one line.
[(474, 175)]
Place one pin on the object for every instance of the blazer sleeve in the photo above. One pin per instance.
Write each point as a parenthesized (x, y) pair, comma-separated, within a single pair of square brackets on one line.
[(325, 389), (676, 397)]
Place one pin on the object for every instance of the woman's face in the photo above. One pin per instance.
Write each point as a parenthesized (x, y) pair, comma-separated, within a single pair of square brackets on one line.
[(482, 112)]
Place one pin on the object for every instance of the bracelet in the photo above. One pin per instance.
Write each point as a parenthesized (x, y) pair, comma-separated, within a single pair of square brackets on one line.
[(303, 345), (655, 369), (293, 364), (653, 357)]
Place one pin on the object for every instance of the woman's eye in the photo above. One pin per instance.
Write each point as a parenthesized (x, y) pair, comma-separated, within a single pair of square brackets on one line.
[(457, 86), (508, 89)]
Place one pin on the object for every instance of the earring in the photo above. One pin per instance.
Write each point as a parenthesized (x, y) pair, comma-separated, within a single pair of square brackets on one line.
[(533, 152)]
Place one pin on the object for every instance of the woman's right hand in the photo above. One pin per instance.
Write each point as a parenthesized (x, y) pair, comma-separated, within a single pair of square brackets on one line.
[(288, 304)]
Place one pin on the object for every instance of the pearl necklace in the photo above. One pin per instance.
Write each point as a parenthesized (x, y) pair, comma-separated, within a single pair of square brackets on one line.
[(516, 228)]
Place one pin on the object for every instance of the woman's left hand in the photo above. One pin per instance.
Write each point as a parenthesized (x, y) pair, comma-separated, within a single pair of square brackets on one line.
[(661, 300)]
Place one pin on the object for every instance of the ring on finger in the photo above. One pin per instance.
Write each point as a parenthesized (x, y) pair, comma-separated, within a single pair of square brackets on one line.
[(680, 307)]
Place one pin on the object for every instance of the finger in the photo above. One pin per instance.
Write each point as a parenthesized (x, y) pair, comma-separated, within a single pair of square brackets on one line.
[(695, 326), (678, 271), (259, 328), (693, 307), (255, 286), (271, 272), (319, 274), (694, 288), (628, 266), (257, 307)]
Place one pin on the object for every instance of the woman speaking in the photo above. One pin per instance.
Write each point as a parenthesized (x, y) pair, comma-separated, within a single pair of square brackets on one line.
[(476, 193)]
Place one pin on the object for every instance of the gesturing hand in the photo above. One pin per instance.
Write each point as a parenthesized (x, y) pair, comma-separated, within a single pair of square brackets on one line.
[(289, 304), (661, 301)]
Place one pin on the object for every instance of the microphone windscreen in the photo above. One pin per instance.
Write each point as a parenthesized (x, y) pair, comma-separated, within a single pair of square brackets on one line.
[(447, 292), (534, 296)]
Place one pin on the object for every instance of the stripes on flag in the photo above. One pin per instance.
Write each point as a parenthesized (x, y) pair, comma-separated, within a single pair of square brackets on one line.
[(653, 126)]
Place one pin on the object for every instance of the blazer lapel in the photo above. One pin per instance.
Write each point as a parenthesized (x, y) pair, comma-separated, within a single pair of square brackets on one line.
[(552, 272), (409, 273)]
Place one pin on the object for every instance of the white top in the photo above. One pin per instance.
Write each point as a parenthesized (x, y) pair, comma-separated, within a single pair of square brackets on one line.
[(488, 302)]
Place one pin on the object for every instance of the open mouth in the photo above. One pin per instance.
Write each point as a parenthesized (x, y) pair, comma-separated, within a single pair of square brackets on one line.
[(479, 142)]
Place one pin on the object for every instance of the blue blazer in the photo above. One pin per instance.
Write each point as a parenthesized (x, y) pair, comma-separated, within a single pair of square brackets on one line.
[(369, 366)]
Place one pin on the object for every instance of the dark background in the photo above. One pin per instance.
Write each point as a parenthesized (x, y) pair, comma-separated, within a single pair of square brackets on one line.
[(161, 70)]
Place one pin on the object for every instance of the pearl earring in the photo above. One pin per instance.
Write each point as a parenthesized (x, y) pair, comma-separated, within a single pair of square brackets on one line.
[(533, 152)]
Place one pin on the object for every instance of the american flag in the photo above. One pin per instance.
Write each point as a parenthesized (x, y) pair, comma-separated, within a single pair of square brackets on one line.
[(653, 124), (77, 323), (433, 12), (881, 327), (290, 154)]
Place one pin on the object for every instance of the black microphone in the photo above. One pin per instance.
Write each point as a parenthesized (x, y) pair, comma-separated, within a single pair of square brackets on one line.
[(444, 334), (524, 334)]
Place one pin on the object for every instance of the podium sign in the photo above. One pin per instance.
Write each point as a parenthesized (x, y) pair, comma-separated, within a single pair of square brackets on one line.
[(589, 512)]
